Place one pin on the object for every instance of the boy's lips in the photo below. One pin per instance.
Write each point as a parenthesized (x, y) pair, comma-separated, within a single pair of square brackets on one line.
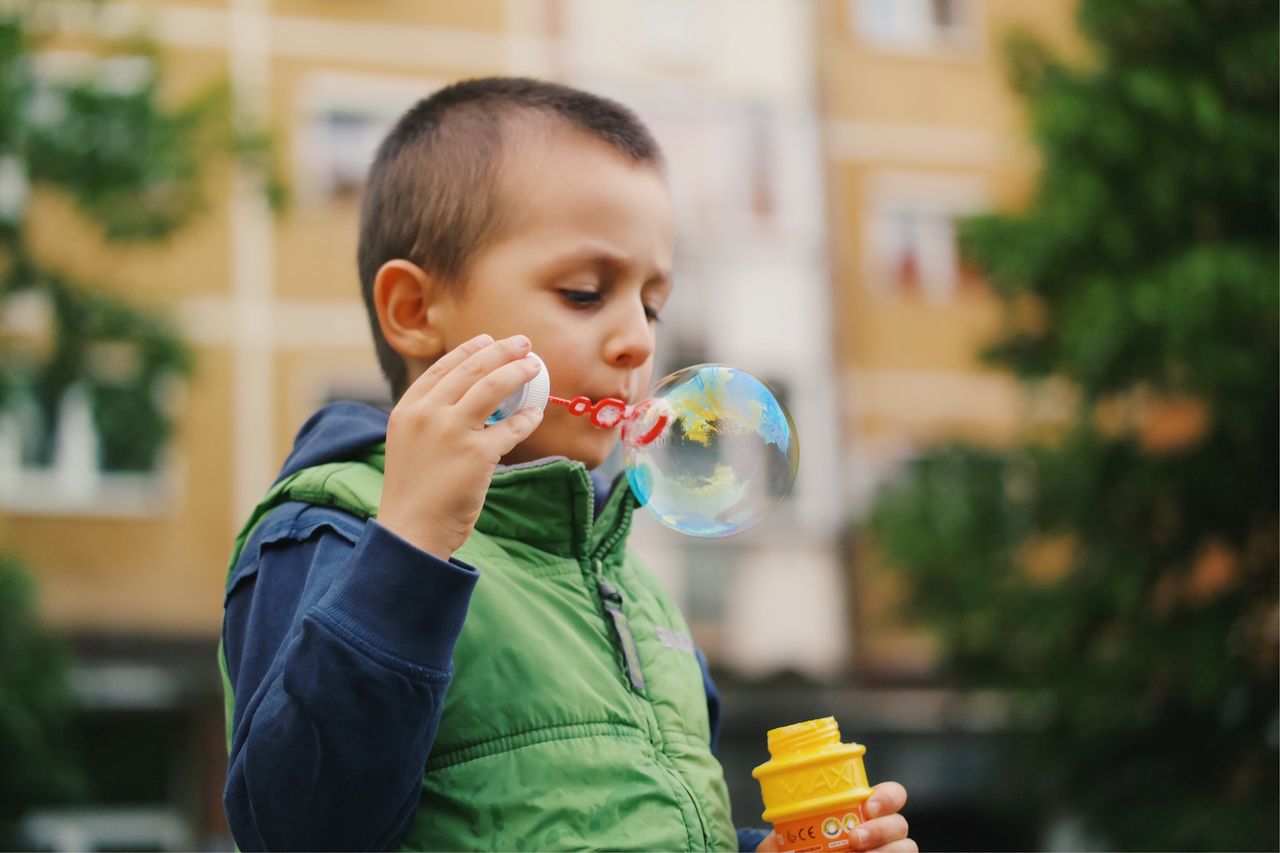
[(610, 415), (616, 395)]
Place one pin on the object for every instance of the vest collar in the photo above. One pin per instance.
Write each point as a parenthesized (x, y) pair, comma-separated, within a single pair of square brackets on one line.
[(549, 503)]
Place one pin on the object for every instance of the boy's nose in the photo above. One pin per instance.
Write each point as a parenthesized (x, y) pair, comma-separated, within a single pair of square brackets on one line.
[(630, 342)]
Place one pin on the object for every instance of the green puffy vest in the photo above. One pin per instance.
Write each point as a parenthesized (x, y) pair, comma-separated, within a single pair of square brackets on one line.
[(577, 718)]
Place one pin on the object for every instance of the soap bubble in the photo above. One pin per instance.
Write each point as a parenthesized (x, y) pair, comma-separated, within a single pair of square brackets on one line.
[(711, 452)]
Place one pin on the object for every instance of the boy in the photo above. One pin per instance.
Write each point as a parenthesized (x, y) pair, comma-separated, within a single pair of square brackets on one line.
[(449, 647)]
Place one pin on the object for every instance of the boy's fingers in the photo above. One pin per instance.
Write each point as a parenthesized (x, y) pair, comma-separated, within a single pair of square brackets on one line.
[(905, 845), (886, 798), (875, 834), (445, 363), (454, 385), (488, 392), (516, 428)]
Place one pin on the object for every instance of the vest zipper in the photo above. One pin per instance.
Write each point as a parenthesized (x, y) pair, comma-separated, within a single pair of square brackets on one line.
[(611, 599)]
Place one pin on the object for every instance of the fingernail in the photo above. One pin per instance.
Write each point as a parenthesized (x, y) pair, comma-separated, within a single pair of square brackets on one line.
[(521, 341), (873, 807), (484, 339), (860, 835)]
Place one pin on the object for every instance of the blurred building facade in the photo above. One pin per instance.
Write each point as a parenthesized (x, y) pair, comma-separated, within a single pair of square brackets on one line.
[(921, 128), (819, 154)]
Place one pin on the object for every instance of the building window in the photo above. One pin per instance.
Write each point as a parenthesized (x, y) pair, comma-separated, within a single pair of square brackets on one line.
[(924, 25), (911, 246), (342, 118), (72, 462), (921, 252), (97, 442), (344, 141)]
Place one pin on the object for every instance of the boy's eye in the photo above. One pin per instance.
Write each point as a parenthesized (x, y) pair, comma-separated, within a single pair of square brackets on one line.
[(591, 297), (581, 297)]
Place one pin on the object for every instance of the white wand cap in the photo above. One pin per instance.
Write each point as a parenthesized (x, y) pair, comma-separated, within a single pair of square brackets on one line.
[(535, 392)]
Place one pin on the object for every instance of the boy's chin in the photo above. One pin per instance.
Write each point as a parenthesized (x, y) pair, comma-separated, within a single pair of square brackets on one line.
[(590, 449), (591, 453), (591, 461)]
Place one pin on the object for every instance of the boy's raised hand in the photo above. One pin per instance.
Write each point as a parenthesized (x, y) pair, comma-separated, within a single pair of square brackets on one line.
[(885, 829), (440, 455)]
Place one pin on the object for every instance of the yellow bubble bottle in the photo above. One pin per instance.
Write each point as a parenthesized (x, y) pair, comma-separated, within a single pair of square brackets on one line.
[(813, 787)]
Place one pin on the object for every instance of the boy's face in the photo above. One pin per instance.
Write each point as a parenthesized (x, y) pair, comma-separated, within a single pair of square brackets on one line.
[(581, 267)]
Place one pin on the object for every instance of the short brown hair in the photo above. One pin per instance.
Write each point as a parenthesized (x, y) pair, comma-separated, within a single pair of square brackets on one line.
[(431, 195)]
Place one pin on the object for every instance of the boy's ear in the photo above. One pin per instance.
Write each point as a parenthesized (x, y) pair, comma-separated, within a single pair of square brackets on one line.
[(403, 293)]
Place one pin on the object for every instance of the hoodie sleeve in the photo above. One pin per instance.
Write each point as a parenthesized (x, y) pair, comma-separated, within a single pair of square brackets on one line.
[(339, 638)]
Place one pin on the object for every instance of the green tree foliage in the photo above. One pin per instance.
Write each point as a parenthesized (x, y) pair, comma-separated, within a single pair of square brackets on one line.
[(35, 707), (99, 130), (1119, 571), (100, 135)]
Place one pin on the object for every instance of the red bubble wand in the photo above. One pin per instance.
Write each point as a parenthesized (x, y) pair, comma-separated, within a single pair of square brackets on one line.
[(610, 412)]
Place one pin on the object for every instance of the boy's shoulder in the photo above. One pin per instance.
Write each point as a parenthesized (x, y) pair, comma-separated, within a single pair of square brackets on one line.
[(300, 520), (295, 522)]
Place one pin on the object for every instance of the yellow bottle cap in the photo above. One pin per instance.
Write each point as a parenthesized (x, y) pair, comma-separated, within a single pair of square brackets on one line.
[(811, 771)]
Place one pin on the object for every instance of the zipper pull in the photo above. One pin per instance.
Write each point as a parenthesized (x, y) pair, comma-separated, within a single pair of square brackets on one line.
[(611, 598)]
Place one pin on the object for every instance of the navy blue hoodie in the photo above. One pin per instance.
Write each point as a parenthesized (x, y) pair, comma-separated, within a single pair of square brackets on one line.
[(339, 638)]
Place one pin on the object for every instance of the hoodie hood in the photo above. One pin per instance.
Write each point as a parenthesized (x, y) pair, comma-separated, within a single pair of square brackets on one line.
[(336, 433)]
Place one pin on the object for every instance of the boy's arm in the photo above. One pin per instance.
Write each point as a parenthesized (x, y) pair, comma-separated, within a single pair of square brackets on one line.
[(340, 651), (339, 638)]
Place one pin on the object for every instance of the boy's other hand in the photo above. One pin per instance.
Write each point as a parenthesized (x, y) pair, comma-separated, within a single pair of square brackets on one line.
[(885, 829), (440, 455)]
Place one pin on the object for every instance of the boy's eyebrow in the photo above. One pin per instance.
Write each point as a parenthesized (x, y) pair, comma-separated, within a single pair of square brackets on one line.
[(603, 257)]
